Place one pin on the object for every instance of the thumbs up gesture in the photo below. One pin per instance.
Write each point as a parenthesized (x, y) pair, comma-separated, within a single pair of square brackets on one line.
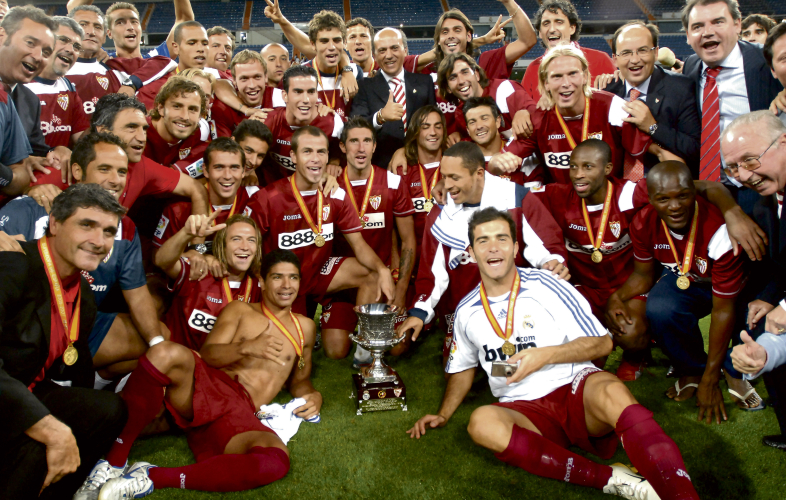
[(392, 111), (748, 357)]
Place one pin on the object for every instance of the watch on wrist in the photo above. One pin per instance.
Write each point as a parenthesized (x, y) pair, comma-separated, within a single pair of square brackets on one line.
[(652, 128), (199, 248), (347, 68), (127, 82)]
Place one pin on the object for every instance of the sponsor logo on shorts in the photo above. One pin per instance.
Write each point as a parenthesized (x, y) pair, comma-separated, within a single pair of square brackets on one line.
[(329, 264), (325, 317), (182, 481), (615, 227), (568, 468), (579, 378), (375, 201), (684, 474)]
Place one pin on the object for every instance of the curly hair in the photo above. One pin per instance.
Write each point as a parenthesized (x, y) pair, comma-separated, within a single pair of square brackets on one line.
[(446, 66), (325, 20), (177, 86), (555, 6)]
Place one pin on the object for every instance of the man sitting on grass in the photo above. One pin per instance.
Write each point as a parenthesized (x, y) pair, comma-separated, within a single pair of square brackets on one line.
[(555, 397), (253, 351)]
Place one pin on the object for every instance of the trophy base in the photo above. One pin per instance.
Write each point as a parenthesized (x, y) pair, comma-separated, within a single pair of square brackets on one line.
[(379, 396)]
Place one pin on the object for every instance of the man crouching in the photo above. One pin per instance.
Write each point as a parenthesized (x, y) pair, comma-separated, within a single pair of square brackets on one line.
[(253, 351)]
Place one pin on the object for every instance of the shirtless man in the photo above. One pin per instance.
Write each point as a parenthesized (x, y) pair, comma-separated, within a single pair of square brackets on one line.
[(251, 354)]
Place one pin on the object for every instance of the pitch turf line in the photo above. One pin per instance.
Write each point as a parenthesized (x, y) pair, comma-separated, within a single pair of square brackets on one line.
[(371, 457)]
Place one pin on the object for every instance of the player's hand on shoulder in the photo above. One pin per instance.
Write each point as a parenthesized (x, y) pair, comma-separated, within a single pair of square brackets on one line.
[(10, 243), (349, 86), (522, 124), (603, 81), (504, 163), (199, 266), (312, 406), (215, 267), (44, 195), (323, 109), (558, 269), (398, 160), (264, 346), (453, 138), (426, 422), (544, 103)]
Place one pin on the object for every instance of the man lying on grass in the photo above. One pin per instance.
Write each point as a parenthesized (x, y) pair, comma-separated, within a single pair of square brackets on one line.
[(555, 397), (253, 351)]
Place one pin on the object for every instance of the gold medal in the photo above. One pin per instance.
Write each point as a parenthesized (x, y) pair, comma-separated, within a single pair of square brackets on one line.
[(301, 364), (362, 209), (427, 195), (319, 240), (316, 229), (584, 125), (70, 355), (597, 256), (297, 345), (597, 242), (683, 282), (428, 206), (362, 223), (508, 349)]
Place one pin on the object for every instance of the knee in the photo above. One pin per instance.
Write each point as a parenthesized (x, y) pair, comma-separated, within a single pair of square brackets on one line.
[(484, 428), (167, 356)]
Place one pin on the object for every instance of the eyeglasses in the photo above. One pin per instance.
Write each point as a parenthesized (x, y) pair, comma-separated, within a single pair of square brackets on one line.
[(67, 41), (641, 51), (748, 164)]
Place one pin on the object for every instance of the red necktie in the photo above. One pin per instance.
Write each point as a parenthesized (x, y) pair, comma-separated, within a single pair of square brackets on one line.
[(401, 98), (633, 169), (709, 168)]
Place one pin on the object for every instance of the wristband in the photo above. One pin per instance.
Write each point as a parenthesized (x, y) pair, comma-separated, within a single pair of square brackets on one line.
[(6, 175), (155, 340)]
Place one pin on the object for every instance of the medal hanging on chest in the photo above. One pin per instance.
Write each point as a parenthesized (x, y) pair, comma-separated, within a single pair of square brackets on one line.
[(362, 209), (245, 287), (428, 205), (683, 282), (71, 328), (319, 240), (597, 243), (298, 345), (508, 349)]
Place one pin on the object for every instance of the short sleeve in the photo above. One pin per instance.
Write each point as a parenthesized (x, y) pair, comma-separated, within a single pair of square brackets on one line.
[(19, 216), (463, 352), (641, 236), (158, 179), (402, 204), (132, 271), (347, 219), (181, 285)]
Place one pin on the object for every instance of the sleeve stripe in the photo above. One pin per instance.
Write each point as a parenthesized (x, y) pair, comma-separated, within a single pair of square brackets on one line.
[(441, 235), (581, 316), (470, 297)]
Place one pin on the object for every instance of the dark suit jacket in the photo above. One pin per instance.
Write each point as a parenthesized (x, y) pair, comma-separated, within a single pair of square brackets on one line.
[(671, 100), (372, 96), (28, 105), (769, 275), (25, 327), (761, 85)]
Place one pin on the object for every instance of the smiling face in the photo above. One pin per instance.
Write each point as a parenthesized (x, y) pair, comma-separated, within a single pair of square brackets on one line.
[(431, 133), (329, 45), (712, 33), (359, 43), (125, 29), (255, 150), (748, 142), (754, 33), (219, 52), (565, 80), (464, 82), (95, 36), (779, 59), (555, 29), (180, 115), (26, 53), (282, 284), (109, 169), (131, 127), (241, 246), (462, 185), (483, 128), (277, 59), (454, 37), (390, 51), (493, 248), (224, 175), (301, 100), (588, 171), (310, 158), (634, 68), (68, 45), (673, 200), (250, 80), (84, 239), (359, 147), (193, 47)]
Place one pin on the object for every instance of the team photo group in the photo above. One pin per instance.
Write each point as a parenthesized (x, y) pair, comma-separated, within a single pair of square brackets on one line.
[(194, 235)]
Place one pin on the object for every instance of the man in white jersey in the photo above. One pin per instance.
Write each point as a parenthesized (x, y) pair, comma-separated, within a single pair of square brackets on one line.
[(541, 334)]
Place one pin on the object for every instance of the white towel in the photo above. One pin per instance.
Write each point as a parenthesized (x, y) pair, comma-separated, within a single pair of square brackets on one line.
[(282, 419)]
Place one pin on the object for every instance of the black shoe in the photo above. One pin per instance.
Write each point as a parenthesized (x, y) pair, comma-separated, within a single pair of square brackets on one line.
[(777, 441)]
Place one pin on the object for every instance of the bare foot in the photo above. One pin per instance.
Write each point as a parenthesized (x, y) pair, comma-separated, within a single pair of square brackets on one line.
[(685, 392)]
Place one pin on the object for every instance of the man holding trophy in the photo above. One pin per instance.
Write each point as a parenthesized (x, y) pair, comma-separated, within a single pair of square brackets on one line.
[(535, 336)]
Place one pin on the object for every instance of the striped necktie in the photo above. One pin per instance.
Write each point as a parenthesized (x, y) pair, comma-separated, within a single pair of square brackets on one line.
[(401, 98), (709, 166), (633, 168)]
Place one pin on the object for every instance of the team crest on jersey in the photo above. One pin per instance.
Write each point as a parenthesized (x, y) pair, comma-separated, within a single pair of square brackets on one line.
[(375, 201), (326, 317), (595, 135), (183, 153), (701, 264), (103, 81), (325, 213), (527, 322), (615, 227), (62, 100)]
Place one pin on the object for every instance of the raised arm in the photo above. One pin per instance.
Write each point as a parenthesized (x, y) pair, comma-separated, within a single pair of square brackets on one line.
[(191, 188), (297, 38), (197, 226), (526, 36), (183, 12)]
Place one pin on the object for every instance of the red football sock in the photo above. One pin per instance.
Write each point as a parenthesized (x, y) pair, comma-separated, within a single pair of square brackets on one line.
[(258, 467), (143, 394), (654, 454), (537, 455)]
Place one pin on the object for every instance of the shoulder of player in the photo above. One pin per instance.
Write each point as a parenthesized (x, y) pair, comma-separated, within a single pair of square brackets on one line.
[(127, 228), (603, 96), (392, 180), (468, 301), (338, 195), (644, 221), (308, 326), (238, 310)]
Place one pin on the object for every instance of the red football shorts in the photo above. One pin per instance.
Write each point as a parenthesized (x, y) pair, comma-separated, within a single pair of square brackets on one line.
[(559, 416), (316, 285)]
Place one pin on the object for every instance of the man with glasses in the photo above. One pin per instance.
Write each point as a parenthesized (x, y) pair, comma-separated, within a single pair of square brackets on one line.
[(754, 148), (661, 104)]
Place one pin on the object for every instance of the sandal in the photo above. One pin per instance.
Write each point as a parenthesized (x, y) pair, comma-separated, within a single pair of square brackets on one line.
[(750, 401), (680, 389)]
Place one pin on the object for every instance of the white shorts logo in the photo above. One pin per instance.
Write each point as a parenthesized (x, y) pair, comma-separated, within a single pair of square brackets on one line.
[(303, 237), (558, 160), (329, 265), (201, 321)]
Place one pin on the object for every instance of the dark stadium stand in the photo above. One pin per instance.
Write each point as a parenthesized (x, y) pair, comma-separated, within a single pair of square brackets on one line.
[(474, 9), (297, 12), (395, 13), (604, 10)]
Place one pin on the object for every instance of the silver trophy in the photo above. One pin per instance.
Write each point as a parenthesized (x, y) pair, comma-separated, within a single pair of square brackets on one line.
[(377, 386)]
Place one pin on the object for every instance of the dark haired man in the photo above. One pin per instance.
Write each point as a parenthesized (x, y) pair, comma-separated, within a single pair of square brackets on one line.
[(220, 50), (555, 397), (360, 45), (256, 140), (47, 311), (775, 55), (755, 28), (558, 23)]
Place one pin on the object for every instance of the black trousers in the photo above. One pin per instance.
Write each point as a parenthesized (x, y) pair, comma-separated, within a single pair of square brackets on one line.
[(95, 418), (775, 381)]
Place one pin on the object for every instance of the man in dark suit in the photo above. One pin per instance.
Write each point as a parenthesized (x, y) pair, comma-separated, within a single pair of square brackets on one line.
[(390, 99), (754, 148), (664, 105), (52, 418)]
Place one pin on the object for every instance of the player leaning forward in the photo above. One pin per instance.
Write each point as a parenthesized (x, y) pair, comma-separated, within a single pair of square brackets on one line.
[(555, 397), (253, 351)]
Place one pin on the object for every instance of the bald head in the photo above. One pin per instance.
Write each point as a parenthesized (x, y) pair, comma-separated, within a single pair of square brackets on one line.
[(276, 57), (669, 174), (672, 194)]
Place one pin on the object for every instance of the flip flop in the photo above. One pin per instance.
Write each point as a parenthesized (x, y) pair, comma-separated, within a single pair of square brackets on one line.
[(751, 401), (680, 389)]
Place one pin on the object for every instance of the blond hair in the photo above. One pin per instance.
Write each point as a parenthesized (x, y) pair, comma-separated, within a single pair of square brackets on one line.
[(220, 243), (246, 56), (562, 51)]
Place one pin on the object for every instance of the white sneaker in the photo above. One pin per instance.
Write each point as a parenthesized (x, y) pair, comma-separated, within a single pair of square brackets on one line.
[(133, 484), (624, 483), (100, 474)]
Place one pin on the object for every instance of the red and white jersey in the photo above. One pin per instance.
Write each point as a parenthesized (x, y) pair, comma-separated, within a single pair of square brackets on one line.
[(529, 174), (62, 114), (617, 264), (388, 199), (186, 155), (175, 215), (448, 272), (226, 118), (510, 98), (713, 259), (94, 80), (197, 304), (278, 163), (148, 178), (412, 181), (282, 225), (553, 149), (329, 89)]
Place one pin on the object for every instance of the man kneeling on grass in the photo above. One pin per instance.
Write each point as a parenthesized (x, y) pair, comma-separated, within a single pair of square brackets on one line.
[(555, 397), (253, 351)]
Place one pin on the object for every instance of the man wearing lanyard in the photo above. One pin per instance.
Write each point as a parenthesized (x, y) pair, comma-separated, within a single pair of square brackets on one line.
[(54, 417), (534, 335), (215, 395), (702, 276)]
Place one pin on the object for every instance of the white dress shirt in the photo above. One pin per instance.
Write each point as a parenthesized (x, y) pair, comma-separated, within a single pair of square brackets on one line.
[(392, 86), (643, 88)]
